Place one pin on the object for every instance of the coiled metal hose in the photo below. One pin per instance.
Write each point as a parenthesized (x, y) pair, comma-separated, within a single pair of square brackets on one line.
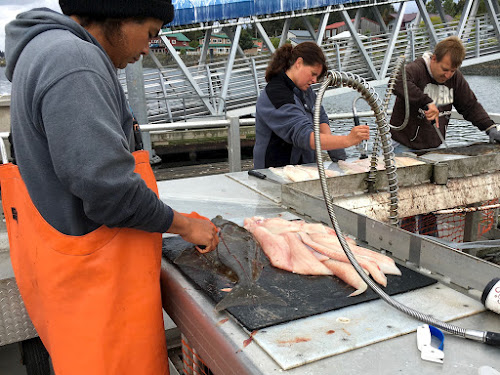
[(390, 88), (338, 79)]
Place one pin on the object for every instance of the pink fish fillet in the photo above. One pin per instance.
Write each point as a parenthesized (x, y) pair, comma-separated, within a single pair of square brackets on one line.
[(337, 253), (277, 225), (386, 264), (288, 253), (275, 247), (303, 261), (347, 273), (296, 174)]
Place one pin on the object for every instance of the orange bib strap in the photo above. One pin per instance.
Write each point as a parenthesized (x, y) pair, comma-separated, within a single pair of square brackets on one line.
[(95, 299)]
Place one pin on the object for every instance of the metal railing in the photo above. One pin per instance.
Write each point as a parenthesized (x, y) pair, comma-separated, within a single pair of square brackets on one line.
[(169, 94), (233, 124)]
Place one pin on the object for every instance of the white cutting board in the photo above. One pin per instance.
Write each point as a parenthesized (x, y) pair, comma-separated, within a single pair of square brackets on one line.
[(307, 340)]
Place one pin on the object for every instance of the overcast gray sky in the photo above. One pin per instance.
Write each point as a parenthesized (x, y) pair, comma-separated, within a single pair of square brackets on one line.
[(9, 9)]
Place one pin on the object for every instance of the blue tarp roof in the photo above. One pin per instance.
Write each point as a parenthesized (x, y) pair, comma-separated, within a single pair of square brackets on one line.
[(193, 11)]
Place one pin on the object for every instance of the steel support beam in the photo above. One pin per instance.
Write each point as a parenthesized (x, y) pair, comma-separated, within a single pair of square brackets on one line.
[(439, 9), (323, 22), (263, 34), (229, 69), (205, 47), (359, 44), (357, 18), (188, 75), (493, 17), (392, 41), (309, 27), (464, 18), (428, 23), (496, 6), (379, 18), (230, 34), (284, 33)]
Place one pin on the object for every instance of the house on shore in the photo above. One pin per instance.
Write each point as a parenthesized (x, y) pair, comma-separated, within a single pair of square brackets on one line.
[(178, 40)]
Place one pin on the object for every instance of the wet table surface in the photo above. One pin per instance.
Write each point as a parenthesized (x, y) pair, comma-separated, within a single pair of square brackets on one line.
[(226, 347)]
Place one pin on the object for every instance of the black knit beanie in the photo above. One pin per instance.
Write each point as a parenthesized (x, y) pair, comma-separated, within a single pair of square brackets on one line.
[(160, 9)]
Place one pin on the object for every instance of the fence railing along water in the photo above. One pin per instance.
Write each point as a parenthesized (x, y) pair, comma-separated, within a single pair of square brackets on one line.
[(171, 97)]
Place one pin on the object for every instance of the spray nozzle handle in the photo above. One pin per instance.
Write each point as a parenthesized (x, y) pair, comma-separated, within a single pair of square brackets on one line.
[(492, 338)]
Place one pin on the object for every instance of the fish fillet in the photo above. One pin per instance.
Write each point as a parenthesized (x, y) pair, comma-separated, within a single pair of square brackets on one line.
[(386, 264), (303, 261), (298, 173), (339, 255), (299, 247), (277, 225), (287, 252), (275, 247), (347, 273)]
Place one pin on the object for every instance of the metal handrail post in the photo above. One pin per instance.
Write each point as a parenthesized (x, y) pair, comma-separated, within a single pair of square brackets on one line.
[(137, 99), (255, 77), (478, 36), (412, 44), (337, 51), (234, 145)]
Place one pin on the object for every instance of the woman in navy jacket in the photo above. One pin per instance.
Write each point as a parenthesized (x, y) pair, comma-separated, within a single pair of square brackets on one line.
[(284, 114)]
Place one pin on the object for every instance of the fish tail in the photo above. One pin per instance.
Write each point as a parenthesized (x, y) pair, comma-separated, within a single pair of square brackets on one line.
[(248, 295)]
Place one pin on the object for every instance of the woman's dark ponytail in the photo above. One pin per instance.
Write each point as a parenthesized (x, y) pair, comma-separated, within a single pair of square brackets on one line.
[(285, 56)]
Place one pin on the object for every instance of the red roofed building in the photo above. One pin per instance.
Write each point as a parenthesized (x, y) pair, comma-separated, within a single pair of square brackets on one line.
[(365, 26)]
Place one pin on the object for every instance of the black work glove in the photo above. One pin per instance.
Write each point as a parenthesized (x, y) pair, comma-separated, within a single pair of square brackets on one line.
[(494, 134), (338, 154)]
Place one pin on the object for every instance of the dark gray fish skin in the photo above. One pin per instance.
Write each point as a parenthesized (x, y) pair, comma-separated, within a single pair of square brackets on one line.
[(238, 251)]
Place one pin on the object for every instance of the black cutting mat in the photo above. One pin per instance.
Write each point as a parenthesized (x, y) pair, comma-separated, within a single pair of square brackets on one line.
[(304, 295)]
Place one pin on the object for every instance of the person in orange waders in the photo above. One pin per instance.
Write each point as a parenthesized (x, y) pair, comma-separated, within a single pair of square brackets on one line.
[(82, 210)]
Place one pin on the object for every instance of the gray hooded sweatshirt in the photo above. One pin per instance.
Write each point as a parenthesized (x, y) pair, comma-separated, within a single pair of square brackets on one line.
[(72, 129)]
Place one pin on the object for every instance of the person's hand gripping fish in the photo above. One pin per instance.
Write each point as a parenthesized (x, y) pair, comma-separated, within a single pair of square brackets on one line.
[(201, 231)]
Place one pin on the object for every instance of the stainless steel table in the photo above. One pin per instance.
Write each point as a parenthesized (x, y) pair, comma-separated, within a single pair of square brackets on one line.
[(225, 346)]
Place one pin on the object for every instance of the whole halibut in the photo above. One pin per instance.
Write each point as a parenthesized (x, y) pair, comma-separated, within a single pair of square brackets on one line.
[(238, 257)]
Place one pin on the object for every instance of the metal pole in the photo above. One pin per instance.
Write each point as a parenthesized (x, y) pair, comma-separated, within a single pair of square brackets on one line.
[(412, 44), (337, 52), (255, 77), (478, 38), (137, 100), (234, 145)]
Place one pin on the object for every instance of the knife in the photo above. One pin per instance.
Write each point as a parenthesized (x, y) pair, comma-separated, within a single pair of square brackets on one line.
[(253, 172)]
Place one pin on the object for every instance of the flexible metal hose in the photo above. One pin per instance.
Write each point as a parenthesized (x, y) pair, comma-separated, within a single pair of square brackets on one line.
[(390, 88), (338, 79)]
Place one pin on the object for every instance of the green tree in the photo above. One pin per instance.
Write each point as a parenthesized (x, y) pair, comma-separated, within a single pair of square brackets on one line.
[(275, 41), (194, 43), (450, 7), (273, 28), (246, 41), (431, 7), (194, 35)]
